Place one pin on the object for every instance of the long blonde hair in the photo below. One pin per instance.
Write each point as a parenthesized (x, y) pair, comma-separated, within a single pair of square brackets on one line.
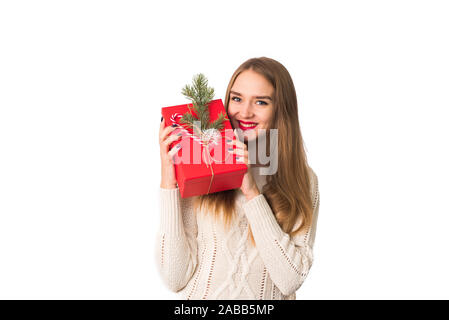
[(288, 190)]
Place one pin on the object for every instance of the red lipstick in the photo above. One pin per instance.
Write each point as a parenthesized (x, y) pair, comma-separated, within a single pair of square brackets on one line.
[(244, 125)]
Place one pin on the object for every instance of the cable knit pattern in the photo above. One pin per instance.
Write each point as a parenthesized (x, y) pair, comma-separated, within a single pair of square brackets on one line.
[(198, 257)]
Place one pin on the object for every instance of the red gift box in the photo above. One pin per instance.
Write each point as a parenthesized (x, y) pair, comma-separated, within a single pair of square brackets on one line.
[(204, 165)]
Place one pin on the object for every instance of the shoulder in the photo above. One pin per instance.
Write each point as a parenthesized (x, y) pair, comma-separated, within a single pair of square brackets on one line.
[(313, 178), (314, 188)]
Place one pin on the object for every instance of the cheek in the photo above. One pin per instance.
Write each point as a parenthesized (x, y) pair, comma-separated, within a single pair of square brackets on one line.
[(231, 113), (265, 118), (231, 110)]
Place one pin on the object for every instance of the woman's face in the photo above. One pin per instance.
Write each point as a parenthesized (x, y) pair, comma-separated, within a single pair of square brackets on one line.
[(250, 103)]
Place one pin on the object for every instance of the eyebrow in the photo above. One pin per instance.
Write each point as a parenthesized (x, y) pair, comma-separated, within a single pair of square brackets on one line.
[(257, 97)]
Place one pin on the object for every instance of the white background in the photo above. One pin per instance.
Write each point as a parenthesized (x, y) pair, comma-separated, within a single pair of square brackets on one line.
[(81, 87)]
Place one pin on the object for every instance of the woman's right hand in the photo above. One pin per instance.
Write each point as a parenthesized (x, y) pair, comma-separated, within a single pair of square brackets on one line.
[(168, 178)]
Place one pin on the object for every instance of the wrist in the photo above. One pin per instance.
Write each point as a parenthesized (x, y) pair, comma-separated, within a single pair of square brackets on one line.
[(168, 185), (252, 193)]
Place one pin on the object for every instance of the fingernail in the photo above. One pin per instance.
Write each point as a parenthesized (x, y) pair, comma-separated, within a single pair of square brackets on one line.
[(162, 118)]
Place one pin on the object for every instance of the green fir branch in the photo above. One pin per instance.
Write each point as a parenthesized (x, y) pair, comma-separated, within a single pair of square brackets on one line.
[(218, 124), (200, 95), (188, 119)]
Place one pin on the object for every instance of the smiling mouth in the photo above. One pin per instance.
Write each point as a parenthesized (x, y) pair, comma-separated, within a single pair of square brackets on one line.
[(247, 125)]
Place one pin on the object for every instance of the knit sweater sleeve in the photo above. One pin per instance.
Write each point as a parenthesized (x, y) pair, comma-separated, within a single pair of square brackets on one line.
[(176, 246), (287, 259)]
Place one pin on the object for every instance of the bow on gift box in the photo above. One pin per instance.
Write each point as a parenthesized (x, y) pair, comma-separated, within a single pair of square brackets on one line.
[(208, 138)]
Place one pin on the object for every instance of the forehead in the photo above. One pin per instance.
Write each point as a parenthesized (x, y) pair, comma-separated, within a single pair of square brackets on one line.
[(251, 83)]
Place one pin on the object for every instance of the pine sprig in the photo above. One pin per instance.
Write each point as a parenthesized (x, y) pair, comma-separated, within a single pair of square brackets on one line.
[(188, 119), (200, 95), (218, 124)]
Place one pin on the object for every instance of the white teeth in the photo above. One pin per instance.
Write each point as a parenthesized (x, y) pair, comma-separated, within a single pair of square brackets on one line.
[(248, 125)]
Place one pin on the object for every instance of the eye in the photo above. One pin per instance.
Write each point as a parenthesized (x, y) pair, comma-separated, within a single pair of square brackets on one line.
[(263, 102), (235, 98)]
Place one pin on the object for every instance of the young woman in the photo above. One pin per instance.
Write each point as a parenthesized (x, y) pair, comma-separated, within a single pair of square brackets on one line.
[(254, 242)]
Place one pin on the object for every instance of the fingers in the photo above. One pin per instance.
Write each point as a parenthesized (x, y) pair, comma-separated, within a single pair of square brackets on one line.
[(165, 131), (237, 143), (241, 155), (167, 135), (161, 127), (236, 134), (171, 138), (242, 159), (240, 151), (174, 150)]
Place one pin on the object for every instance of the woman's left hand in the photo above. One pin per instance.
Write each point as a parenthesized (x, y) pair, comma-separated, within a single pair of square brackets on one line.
[(249, 187)]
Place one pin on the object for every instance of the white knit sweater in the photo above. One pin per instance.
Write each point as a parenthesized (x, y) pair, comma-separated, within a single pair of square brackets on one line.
[(199, 258)]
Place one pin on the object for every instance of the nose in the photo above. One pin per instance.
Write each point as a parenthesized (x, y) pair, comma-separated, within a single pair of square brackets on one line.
[(246, 111)]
